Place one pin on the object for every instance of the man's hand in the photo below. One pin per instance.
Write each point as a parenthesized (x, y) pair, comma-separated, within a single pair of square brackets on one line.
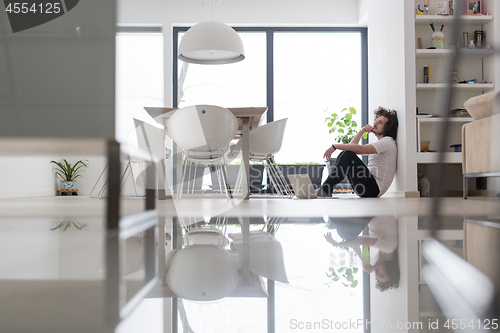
[(329, 239), (328, 153), (367, 128), (368, 268)]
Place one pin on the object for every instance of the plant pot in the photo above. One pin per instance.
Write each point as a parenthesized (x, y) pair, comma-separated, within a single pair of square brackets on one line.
[(65, 185), (344, 184), (315, 172), (256, 176), (193, 179)]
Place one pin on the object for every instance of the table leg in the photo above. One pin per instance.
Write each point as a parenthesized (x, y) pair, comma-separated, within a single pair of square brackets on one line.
[(245, 187), (245, 260)]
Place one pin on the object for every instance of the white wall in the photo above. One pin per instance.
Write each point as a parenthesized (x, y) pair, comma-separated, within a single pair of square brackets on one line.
[(391, 74)]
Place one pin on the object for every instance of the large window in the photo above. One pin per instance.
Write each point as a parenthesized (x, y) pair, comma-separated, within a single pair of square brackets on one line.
[(296, 72), (139, 78), (313, 72), (234, 85)]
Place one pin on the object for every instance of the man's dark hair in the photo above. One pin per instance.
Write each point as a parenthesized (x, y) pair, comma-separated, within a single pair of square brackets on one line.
[(391, 127), (392, 271)]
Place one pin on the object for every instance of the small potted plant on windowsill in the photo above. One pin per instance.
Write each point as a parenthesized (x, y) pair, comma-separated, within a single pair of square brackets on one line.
[(68, 174)]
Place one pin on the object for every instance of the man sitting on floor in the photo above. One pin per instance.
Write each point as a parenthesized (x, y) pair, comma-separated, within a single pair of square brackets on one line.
[(372, 180)]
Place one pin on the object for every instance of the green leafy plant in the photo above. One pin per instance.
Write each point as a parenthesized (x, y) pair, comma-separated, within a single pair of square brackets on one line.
[(68, 172), (344, 275), (66, 223), (343, 124)]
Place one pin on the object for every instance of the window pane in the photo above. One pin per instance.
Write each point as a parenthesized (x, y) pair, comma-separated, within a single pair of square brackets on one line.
[(139, 80), (233, 85), (313, 72)]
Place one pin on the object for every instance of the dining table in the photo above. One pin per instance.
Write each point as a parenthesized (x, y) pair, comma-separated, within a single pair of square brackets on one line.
[(248, 118)]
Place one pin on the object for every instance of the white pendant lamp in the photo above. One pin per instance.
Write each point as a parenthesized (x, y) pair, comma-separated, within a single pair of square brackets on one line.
[(211, 43)]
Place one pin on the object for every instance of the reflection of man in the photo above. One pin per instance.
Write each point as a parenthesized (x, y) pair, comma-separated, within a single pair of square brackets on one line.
[(372, 180), (383, 235)]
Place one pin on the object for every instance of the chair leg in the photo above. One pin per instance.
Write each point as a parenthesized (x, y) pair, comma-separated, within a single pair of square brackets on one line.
[(194, 177), (279, 178), (133, 178), (97, 182), (286, 187), (180, 186), (226, 182), (218, 175), (239, 180), (273, 177)]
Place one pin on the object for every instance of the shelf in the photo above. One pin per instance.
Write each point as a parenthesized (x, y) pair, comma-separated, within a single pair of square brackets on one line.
[(450, 119), (468, 20), (429, 158), (446, 53), (460, 86)]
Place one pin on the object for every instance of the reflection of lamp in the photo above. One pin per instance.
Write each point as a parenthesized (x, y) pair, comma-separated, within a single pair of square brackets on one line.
[(211, 43)]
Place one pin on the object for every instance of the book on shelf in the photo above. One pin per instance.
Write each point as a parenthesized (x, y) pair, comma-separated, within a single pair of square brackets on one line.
[(424, 115)]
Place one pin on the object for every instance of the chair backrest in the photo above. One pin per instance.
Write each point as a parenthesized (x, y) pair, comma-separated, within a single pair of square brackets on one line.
[(202, 127), (202, 273), (267, 139)]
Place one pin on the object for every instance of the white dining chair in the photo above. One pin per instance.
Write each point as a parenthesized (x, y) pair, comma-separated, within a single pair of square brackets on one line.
[(204, 133), (202, 273), (265, 253), (264, 142)]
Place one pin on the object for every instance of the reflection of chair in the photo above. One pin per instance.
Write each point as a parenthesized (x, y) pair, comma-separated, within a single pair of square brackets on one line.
[(266, 255), (202, 273), (150, 138), (204, 133), (206, 236), (264, 142)]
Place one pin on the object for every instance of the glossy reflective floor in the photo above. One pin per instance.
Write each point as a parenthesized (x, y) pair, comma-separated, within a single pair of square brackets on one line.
[(302, 266)]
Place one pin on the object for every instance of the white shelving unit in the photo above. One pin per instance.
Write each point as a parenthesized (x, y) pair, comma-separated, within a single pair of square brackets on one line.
[(444, 53), (432, 158), (448, 20), (472, 64), (461, 86), (428, 130)]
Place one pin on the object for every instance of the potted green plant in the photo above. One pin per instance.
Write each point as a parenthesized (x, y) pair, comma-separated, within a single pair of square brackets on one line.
[(343, 124), (346, 128), (68, 173)]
